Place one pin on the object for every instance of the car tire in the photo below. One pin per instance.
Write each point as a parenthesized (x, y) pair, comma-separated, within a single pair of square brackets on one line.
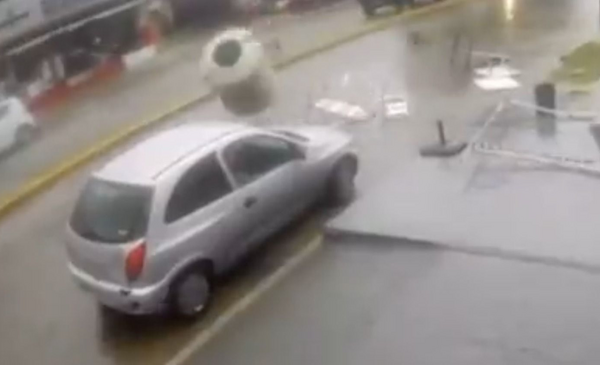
[(341, 188), (190, 293), (24, 135)]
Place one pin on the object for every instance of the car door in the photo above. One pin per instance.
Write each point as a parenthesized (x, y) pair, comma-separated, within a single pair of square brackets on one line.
[(201, 216), (266, 171)]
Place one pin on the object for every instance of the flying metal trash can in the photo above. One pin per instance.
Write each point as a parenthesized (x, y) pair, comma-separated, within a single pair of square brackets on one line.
[(234, 64)]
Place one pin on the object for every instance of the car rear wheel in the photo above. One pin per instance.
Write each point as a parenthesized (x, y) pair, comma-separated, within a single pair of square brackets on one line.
[(341, 188), (191, 293)]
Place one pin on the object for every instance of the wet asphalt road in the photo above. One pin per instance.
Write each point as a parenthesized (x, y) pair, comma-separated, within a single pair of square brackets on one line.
[(361, 302), (352, 303)]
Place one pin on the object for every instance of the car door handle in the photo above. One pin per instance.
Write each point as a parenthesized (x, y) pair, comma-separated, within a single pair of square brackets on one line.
[(250, 201)]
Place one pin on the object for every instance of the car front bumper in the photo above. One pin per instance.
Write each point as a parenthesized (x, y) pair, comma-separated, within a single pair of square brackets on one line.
[(136, 301)]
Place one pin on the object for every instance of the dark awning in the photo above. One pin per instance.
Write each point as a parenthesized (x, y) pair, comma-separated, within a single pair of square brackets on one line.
[(64, 23)]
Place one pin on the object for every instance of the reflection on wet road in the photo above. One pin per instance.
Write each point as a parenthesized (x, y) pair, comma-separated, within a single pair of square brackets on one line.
[(44, 318)]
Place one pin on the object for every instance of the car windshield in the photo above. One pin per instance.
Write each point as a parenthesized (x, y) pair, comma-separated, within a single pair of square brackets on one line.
[(112, 213)]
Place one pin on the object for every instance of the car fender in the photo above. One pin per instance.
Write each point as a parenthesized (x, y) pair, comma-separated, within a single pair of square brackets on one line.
[(188, 262)]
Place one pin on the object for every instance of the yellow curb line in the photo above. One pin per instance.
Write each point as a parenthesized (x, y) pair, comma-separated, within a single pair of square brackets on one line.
[(371, 27), (46, 180)]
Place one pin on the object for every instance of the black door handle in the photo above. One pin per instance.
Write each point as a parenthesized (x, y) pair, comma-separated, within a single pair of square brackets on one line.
[(250, 201)]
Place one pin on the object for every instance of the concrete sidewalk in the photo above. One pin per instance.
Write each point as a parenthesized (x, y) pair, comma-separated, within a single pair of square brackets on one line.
[(170, 78)]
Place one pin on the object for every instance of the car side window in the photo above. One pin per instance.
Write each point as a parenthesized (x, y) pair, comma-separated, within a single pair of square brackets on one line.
[(253, 157), (202, 184)]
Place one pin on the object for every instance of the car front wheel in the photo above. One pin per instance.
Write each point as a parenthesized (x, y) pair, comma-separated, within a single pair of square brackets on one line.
[(341, 188)]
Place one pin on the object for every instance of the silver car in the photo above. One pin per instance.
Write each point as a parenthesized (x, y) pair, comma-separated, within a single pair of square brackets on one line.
[(154, 225)]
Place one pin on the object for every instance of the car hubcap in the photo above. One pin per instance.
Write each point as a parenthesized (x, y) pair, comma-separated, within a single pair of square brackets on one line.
[(193, 294)]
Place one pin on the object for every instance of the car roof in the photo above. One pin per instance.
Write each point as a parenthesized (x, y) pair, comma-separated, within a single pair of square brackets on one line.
[(142, 163)]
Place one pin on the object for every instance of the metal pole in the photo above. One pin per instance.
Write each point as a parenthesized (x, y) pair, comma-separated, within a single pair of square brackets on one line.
[(441, 134)]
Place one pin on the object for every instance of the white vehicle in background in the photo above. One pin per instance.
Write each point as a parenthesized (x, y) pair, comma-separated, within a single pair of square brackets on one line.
[(17, 125)]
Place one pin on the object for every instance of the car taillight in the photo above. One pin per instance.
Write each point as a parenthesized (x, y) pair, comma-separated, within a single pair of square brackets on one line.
[(134, 261)]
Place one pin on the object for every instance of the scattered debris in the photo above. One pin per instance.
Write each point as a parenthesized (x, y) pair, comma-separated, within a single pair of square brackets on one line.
[(343, 109), (442, 148), (395, 106), (497, 67), (575, 115), (496, 83), (580, 165), (496, 73), (584, 165)]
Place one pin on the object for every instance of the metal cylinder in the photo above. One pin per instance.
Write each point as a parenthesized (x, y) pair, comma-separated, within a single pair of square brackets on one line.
[(545, 98), (235, 66), (441, 132)]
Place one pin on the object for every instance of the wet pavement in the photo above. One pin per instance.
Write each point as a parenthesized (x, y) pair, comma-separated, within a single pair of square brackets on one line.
[(369, 301), (352, 303), (480, 202)]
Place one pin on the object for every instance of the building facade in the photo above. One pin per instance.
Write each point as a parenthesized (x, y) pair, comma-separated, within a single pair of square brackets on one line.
[(49, 48)]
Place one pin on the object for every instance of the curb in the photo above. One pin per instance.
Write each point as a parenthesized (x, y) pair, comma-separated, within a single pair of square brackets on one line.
[(350, 237), (47, 179)]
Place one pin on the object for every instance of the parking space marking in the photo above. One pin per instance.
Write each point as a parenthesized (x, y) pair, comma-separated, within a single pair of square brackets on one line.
[(204, 336)]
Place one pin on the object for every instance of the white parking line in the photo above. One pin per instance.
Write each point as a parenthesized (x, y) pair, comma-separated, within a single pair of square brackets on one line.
[(204, 336)]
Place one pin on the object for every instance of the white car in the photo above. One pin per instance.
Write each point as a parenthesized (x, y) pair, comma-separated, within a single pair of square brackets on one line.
[(17, 125)]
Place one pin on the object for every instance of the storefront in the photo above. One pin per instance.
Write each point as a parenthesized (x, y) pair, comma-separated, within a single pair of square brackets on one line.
[(60, 51), (51, 48)]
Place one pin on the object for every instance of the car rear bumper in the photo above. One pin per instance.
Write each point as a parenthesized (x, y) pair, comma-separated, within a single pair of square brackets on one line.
[(137, 301)]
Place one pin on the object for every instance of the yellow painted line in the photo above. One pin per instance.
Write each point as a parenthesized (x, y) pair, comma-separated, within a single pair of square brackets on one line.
[(204, 336), (370, 27), (45, 180)]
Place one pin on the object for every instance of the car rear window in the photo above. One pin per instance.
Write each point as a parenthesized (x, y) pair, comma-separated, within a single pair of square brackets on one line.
[(111, 212)]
